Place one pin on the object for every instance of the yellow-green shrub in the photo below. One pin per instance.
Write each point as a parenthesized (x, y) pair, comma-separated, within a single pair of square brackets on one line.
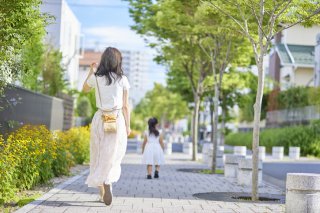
[(78, 140), (7, 171), (32, 155), (64, 160)]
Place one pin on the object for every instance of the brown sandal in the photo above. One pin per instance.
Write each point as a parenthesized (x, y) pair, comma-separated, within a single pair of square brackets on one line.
[(107, 196)]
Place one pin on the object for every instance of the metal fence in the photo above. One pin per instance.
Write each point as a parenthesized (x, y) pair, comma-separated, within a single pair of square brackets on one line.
[(294, 116)]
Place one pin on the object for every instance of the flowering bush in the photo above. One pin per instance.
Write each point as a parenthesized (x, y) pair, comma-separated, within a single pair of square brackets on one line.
[(33, 155), (78, 142)]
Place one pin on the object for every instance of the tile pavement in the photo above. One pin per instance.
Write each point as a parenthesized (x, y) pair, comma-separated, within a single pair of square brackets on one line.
[(134, 193)]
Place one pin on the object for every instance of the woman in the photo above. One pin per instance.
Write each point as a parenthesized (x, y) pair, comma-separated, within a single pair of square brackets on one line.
[(152, 149), (108, 148)]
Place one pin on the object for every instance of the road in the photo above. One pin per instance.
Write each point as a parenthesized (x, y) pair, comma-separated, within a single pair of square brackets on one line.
[(276, 172)]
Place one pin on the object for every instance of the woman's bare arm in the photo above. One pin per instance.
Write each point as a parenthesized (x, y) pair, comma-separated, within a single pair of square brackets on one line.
[(161, 141), (86, 88), (126, 110), (144, 143)]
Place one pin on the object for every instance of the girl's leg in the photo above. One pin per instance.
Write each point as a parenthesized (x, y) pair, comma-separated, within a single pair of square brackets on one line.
[(156, 172), (149, 169)]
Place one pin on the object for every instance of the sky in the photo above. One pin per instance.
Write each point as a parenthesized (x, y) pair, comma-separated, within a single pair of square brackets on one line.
[(107, 23)]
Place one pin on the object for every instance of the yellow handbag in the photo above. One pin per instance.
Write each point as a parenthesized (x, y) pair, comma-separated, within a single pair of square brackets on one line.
[(109, 120)]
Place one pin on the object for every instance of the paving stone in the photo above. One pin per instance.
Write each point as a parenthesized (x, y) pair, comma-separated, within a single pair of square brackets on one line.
[(172, 192)]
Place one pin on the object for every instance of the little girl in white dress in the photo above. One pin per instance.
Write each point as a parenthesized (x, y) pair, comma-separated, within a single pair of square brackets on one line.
[(152, 149)]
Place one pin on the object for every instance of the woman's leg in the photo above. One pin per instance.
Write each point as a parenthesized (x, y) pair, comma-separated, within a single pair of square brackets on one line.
[(101, 192), (157, 168)]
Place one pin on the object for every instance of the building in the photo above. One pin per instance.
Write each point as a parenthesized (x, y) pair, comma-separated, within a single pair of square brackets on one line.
[(64, 34), (292, 59), (135, 67)]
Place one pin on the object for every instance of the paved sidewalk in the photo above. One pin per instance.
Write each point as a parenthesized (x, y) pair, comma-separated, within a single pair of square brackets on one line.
[(134, 193)]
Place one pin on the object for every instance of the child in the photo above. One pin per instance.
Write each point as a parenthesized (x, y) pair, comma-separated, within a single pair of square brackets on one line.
[(152, 149)]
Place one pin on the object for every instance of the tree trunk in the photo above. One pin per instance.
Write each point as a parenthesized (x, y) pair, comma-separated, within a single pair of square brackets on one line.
[(215, 125), (223, 126), (195, 127), (256, 130)]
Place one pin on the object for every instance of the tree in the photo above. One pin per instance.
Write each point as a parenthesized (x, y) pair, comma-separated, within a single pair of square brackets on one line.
[(84, 107), (222, 47), (20, 21), (260, 21), (162, 104), (171, 22)]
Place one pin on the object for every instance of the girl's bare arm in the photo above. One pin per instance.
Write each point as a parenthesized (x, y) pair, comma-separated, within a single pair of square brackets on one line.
[(144, 143)]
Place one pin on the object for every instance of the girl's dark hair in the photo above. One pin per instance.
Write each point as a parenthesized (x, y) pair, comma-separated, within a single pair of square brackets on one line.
[(152, 122), (110, 65)]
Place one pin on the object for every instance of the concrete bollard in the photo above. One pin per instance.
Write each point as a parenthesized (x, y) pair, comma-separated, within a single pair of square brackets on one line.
[(277, 152), (219, 157), (245, 172), (139, 147), (262, 153), (303, 192), (294, 152), (240, 150), (168, 148), (231, 165), (205, 152), (187, 148)]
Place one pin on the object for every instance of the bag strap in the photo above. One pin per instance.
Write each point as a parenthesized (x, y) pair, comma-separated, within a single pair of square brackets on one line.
[(98, 89)]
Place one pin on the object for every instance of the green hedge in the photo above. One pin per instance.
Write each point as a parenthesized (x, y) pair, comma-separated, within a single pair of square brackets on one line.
[(306, 137)]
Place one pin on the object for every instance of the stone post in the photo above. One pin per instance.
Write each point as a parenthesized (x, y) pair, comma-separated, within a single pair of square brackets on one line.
[(231, 165), (240, 150), (303, 193), (245, 172), (294, 153), (187, 148), (205, 152), (277, 152), (219, 156), (262, 153), (168, 148)]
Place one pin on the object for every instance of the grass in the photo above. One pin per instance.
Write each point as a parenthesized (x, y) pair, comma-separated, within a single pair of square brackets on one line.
[(21, 199), (208, 171)]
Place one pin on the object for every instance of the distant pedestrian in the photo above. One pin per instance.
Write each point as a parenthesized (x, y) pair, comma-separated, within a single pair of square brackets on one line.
[(152, 149), (110, 124)]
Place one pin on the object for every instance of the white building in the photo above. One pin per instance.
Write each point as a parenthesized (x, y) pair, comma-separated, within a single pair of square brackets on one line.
[(135, 67), (292, 60), (64, 34)]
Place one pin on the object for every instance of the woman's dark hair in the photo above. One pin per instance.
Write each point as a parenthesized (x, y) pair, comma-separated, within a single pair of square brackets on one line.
[(152, 122), (110, 65)]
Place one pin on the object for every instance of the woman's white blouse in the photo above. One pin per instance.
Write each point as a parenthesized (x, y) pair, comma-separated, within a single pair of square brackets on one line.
[(111, 95)]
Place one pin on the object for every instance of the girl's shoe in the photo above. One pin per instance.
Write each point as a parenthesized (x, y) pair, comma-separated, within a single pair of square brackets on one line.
[(107, 196), (156, 174), (149, 177)]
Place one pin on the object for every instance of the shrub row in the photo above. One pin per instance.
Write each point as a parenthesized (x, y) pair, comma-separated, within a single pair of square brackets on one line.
[(33, 155), (306, 137)]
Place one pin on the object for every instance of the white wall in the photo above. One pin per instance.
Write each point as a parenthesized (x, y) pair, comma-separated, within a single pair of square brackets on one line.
[(64, 34), (300, 35)]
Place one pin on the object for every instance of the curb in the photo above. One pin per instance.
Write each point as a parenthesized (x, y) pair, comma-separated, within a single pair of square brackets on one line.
[(50, 193), (274, 181)]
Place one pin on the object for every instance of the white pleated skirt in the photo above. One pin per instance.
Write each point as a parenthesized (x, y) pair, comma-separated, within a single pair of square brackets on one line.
[(153, 154), (106, 151)]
